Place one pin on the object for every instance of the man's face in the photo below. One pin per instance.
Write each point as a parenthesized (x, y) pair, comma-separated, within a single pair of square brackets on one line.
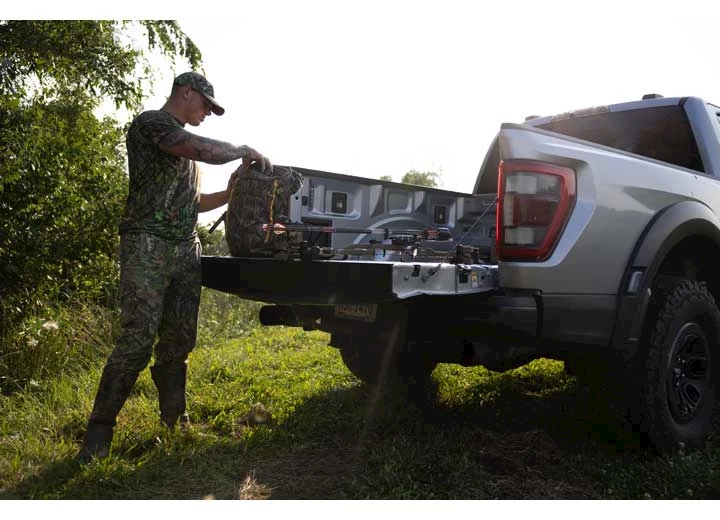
[(198, 107)]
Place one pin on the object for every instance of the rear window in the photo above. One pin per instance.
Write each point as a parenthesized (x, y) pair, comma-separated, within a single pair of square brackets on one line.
[(661, 133)]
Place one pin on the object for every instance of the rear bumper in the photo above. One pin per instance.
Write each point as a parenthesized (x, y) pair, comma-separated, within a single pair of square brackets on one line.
[(550, 319), (443, 300), (578, 319), (528, 317), (545, 324)]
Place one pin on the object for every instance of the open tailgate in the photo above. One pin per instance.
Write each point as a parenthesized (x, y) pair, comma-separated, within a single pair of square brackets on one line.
[(330, 282)]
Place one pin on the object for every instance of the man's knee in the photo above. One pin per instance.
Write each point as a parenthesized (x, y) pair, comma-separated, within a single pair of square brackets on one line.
[(129, 359), (174, 354)]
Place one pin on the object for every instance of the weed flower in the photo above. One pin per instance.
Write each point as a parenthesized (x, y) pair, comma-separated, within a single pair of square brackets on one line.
[(50, 325), (32, 343)]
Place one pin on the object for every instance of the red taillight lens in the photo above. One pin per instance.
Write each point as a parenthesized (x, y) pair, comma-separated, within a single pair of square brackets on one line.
[(534, 202)]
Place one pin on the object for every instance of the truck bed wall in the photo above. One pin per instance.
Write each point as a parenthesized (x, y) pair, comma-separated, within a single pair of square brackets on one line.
[(343, 200)]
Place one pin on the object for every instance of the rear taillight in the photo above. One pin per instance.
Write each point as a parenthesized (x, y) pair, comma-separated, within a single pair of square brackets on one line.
[(534, 202)]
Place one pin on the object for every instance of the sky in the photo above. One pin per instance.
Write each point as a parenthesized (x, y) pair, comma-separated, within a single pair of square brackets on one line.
[(377, 88)]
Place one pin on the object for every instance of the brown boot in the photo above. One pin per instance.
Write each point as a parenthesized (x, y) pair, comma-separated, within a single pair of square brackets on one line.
[(114, 388), (170, 382)]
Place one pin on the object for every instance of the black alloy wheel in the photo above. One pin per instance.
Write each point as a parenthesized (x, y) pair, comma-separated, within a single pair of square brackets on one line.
[(688, 376)]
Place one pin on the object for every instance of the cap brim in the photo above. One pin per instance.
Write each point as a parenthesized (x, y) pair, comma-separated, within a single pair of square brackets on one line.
[(216, 108)]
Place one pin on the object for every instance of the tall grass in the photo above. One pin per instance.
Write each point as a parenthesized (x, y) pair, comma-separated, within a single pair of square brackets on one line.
[(67, 340), (223, 316), (486, 435), (59, 342)]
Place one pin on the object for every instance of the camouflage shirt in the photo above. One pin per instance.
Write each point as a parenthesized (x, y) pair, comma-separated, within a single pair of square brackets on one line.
[(164, 195)]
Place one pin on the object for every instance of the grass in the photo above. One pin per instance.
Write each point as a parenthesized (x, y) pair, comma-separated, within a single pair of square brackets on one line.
[(513, 435)]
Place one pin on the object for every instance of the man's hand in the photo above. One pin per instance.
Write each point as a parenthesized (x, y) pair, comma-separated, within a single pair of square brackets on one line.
[(263, 162)]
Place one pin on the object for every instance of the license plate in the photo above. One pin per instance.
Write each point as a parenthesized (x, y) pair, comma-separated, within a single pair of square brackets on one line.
[(357, 311)]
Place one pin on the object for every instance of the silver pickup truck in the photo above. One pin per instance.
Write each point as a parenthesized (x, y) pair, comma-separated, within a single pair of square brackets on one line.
[(591, 237)]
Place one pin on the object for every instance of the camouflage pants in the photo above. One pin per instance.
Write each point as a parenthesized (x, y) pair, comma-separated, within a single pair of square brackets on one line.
[(160, 284)]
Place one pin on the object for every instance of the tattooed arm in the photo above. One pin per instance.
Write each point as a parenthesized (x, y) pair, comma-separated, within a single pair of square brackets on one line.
[(185, 144)]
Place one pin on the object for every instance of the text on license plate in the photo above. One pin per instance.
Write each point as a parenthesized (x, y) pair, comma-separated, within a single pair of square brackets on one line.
[(357, 311)]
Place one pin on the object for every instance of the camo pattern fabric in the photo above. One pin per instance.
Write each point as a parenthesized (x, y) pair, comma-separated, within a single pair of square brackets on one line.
[(164, 196), (258, 199), (160, 283)]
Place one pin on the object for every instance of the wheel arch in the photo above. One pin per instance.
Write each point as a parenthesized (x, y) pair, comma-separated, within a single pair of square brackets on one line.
[(681, 240)]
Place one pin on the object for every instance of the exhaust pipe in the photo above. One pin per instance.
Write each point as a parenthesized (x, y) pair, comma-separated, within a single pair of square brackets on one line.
[(278, 315)]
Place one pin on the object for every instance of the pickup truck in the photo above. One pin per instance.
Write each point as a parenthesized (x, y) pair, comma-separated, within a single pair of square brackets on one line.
[(590, 237)]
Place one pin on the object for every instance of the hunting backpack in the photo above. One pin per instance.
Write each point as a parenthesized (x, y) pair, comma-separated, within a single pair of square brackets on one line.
[(256, 199)]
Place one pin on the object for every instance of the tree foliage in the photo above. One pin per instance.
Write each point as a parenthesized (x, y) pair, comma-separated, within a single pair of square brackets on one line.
[(38, 58), (62, 170), (213, 244), (430, 179), (62, 187)]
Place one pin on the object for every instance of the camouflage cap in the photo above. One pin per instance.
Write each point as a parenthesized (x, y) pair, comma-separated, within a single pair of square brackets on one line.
[(198, 82)]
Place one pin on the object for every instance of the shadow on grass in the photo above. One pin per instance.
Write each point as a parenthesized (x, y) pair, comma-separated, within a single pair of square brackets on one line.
[(358, 443)]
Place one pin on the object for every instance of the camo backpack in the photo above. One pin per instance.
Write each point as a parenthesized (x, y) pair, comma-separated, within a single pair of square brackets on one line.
[(256, 199)]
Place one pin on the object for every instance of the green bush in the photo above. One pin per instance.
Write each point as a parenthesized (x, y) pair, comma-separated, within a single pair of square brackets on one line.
[(62, 169), (63, 186)]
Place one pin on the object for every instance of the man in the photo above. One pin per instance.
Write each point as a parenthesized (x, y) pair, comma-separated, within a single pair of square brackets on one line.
[(160, 279)]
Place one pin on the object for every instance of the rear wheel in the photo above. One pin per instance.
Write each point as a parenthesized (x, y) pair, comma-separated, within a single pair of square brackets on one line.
[(373, 363), (681, 367), (384, 358)]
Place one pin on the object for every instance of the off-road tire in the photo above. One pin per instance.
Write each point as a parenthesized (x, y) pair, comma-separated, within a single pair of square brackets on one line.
[(681, 366), (382, 357), (373, 364)]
